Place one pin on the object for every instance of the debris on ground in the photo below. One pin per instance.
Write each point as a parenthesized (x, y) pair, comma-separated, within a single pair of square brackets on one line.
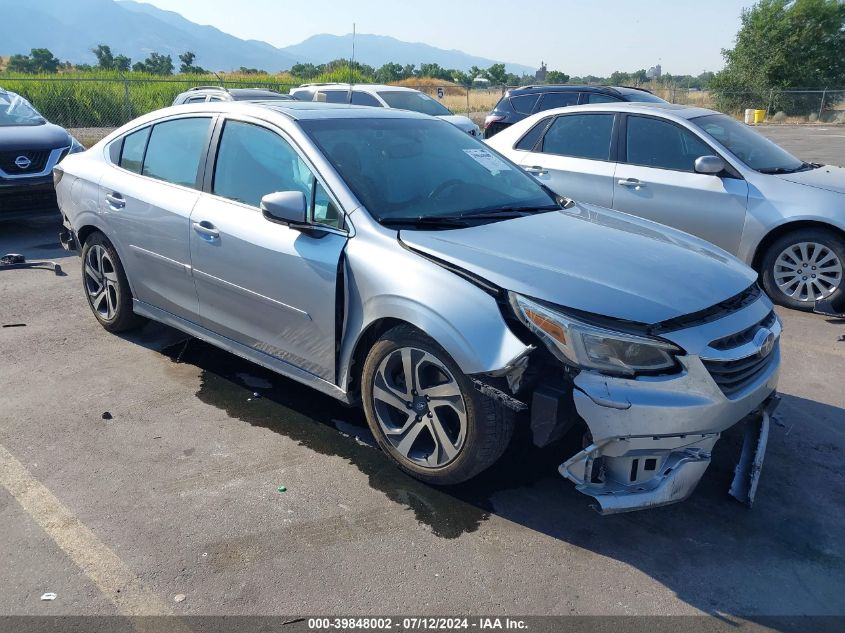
[(179, 597), (49, 596), (15, 325), (255, 396), (15, 260), (182, 351), (360, 434), (281, 489), (107, 415)]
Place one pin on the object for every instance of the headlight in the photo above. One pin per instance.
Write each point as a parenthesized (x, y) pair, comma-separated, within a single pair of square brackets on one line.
[(592, 347), (76, 146)]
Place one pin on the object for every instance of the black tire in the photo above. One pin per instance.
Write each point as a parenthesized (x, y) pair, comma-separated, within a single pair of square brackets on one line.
[(826, 238), (112, 307), (489, 426)]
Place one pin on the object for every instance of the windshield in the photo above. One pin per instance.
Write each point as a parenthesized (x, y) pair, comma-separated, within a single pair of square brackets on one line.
[(756, 151), (15, 110), (414, 101), (410, 169)]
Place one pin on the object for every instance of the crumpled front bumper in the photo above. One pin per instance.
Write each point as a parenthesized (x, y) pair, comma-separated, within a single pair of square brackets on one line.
[(652, 438)]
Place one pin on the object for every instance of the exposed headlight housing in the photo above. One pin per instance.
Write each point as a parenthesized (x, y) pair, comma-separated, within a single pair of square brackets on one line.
[(592, 347)]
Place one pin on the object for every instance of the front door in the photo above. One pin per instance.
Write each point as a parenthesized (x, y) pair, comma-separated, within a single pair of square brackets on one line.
[(656, 180), (260, 283)]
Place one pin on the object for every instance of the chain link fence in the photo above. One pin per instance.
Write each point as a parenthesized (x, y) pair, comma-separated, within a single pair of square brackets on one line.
[(91, 107)]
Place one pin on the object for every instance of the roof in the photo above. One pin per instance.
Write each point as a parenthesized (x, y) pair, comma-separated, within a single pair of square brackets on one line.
[(577, 88), (297, 110), (673, 109), (373, 87)]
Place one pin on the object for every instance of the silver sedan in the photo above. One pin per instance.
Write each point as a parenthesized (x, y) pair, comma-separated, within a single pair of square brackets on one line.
[(386, 258), (704, 173)]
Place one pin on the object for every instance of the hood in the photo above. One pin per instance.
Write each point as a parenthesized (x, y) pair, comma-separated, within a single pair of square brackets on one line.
[(595, 260), (460, 121), (825, 177), (31, 137)]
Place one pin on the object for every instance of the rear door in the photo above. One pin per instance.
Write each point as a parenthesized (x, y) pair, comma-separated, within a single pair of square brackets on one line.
[(656, 179), (148, 197), (260, 283), (574, 157)]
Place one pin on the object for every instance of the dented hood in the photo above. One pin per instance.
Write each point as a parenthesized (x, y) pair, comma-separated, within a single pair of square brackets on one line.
[(596, 260)]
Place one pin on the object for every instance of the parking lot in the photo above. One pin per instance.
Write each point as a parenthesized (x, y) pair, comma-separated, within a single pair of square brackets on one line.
[(140, 475)]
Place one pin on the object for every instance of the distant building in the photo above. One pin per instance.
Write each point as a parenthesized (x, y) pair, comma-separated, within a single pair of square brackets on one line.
[(654, 72), (481, 82), (540, 75)]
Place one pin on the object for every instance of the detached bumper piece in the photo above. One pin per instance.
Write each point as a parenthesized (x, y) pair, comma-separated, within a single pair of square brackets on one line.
[(15, 261), (635, 473), (750, 465)]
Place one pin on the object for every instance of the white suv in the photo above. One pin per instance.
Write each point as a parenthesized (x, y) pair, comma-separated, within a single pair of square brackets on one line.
[(383, 96)]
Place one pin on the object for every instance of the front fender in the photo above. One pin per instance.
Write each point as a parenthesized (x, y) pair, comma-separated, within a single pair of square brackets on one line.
[(387, 281)]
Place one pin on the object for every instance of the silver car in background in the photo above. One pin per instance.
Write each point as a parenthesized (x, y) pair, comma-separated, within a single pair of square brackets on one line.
[(704, 173), (386, 258)]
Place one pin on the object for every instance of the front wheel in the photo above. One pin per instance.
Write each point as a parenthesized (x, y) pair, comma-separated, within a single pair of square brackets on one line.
[(803, 267), (426, 414), (106, 287)]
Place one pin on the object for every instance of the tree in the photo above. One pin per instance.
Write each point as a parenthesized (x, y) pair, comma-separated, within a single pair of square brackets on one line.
[(389, 72), (304, 71), (155, 64), (39, 60), (105, 59), (783, 44), (556, 77), (122, 63), (187, 66), (462, 78), (497, 74)]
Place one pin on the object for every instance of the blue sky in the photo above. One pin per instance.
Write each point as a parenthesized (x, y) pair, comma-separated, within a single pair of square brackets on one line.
[(577, 37)]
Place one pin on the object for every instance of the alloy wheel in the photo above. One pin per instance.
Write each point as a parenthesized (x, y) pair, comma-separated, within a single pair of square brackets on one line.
[(808, 271), (101, 282), (419, 407)]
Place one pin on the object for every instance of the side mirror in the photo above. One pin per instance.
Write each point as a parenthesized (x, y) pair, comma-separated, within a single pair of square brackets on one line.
[(710, 165), (285, 207)]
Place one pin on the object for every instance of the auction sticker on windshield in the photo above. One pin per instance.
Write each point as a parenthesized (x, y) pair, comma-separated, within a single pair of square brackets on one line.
[(491, 163)]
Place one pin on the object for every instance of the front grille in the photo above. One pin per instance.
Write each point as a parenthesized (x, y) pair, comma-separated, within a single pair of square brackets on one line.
[(25, 200), (38, 161), (733, 376), (746, 336)]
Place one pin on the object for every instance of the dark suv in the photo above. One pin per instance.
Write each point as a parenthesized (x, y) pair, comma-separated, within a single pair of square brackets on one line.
[(519, 103)]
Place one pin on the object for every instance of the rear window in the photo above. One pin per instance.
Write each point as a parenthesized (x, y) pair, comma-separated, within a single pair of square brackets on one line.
[(333, 96), (414, 101), (640, 96), (524, 104)]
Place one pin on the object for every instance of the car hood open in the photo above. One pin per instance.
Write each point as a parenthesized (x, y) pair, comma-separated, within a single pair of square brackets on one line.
[(826, 177), (593, 259)]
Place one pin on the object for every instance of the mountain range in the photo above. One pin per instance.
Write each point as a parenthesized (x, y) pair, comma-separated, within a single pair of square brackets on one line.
[(71, 28)]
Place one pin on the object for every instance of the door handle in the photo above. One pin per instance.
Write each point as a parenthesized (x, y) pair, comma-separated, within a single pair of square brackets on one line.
[(206, 229), (537, 170), (631, 182), (115, 200)]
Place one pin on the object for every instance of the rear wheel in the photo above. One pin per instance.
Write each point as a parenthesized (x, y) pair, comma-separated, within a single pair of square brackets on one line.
[(106, 287), (803, 267), (426, 414)]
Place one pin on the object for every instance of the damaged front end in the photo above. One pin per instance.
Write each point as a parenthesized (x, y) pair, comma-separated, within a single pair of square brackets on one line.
[(650, 434)]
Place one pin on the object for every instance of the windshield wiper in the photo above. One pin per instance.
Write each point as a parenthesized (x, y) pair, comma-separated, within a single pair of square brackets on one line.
[(788, 170), (509, 211), (447, 221)]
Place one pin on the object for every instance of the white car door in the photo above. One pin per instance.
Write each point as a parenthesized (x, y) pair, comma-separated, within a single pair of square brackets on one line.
[(656, 180), (573, 156)]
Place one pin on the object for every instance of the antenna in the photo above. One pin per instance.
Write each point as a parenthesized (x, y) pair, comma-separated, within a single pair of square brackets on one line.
[(222, 85)]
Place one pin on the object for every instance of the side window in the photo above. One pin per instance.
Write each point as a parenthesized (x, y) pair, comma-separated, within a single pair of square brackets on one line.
[(333, 96), (524, 104), (175, 149), (581, 136), (132, 154), (364, 99), (215, 99), (527, 142), (558, 100), (663, 145), (597, 97), (195, 99), (253, 161)]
